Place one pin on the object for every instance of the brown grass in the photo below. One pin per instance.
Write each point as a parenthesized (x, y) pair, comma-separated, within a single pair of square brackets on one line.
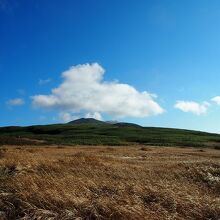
[(109, 183)]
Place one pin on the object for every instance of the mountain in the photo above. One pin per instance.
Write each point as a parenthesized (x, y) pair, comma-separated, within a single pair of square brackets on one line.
[(89, 131), (92, 121), (86, 121), (112, 122), (126, 124)]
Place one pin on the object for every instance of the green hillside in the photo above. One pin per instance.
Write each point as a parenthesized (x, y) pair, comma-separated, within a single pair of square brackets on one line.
[(85, 133), (86, 121)]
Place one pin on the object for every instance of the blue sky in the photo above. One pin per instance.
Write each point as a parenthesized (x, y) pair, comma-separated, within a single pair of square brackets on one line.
[(169, 48)]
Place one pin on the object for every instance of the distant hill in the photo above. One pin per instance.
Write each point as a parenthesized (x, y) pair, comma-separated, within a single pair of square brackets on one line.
[(93, 121), (86, 121), (112, 122), (125, 124), (89, 131)]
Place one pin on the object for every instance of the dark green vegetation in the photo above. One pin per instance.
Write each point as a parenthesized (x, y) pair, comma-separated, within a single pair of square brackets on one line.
[(92, 132), (87, 121)]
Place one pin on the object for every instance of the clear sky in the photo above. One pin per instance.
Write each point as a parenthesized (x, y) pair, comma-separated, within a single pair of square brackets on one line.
[(156, 63)]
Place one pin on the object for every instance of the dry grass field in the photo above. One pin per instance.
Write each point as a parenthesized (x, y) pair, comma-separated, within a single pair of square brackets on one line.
[(109, 183)]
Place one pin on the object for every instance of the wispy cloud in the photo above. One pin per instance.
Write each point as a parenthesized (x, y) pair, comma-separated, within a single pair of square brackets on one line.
[(67, 117), (83, 90), (95, 115), (44, 81), (7, 6), (3, 5), (15, 102), (216, 99), (21, 92), (42, 118), (193, 107)]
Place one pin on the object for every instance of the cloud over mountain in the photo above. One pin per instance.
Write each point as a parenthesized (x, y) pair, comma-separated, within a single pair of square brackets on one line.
[(84, 90)]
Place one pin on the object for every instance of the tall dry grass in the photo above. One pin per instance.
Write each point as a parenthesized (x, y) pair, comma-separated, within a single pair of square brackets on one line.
[(109, 183)]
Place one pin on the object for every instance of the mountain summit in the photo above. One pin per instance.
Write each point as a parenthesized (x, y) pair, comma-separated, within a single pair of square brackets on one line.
[(98, 122), (86, 121)]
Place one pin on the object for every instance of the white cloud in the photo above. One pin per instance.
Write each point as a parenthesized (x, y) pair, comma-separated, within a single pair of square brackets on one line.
[(216, 99), (15, 102), (95, 115), (193, 107), (44, 81), (67, 117), (84, 90)]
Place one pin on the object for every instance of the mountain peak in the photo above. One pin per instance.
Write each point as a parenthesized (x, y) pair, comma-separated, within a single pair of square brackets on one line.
[(86, 121)]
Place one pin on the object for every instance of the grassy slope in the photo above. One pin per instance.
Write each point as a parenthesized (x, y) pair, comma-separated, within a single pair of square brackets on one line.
[(106, 134), (97, 183)]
